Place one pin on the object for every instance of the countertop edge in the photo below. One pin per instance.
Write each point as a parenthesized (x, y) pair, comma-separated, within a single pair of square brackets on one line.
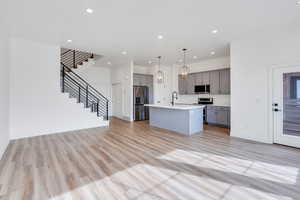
[(192, 107)]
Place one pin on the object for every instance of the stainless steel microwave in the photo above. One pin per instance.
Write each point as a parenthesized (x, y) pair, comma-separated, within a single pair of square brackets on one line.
[(202, 89)]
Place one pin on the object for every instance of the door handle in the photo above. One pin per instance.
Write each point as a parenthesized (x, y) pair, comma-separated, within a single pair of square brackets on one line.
[(276, 110)]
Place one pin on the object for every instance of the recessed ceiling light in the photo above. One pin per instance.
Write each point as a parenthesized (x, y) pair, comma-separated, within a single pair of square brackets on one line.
[(195, 57), (69, 41), (214, 31), (124, 52), (298, 3), (160, 37), (109, 63), (89, 10), (212, 53)]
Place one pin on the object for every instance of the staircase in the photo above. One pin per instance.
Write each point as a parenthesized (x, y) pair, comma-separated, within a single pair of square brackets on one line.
[(77, 87)]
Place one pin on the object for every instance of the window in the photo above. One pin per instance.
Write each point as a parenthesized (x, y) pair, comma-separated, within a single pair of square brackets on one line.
[(298, 88), (293, 86)]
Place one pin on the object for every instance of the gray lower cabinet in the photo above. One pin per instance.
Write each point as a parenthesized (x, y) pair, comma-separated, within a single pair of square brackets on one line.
[(218, 115), (222, 117), (211, 116)]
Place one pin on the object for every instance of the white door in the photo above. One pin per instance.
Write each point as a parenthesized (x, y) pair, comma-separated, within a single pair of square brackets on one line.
[(286, 106), (117, 100)]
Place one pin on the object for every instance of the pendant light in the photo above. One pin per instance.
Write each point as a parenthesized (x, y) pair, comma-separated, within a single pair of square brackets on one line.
[(184, 69), (160, 73)]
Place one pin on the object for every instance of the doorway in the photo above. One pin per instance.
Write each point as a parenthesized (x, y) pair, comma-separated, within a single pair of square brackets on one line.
[(286, 106), (117, 101)]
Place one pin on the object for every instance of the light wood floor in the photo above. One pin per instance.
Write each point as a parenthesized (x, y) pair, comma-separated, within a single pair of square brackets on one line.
[(136, 161)]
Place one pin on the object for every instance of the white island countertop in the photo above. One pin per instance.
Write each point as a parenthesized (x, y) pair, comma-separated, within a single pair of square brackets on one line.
[(176, 106)]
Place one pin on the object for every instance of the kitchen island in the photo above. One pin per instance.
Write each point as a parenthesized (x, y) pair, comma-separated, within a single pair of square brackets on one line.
[(184, 119)]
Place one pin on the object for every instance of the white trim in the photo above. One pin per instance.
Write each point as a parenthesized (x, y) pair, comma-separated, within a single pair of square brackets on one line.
[(270, 100), (270, 111)]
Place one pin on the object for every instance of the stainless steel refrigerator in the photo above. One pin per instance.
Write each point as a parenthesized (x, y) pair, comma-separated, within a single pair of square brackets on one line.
[(140, 97)]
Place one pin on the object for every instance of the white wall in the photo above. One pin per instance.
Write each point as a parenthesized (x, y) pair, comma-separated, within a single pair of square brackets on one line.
[(124, 75), (4, 91), (100, 78), (36, 104), (251, 61), (204, 65)]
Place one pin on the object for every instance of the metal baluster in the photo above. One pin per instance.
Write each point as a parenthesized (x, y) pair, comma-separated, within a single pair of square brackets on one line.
[(106, 110), (79, 94), (74, 59), (87, 97), (63, 79), (98, 108)]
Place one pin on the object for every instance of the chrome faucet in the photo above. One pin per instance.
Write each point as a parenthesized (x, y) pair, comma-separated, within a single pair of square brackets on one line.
[(174, 96)]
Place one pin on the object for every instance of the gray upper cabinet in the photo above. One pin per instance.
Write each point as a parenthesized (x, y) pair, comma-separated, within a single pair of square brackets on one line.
[(214, 81), (219, 81), (182, 85), (201, 78), (205, 78), (142, 80), (149, 80), (225, 81), (198, 78), (136, 79), (191, 84)]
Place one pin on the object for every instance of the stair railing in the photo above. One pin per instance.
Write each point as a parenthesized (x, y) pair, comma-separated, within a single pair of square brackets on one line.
[(78, 88), (72, 58)]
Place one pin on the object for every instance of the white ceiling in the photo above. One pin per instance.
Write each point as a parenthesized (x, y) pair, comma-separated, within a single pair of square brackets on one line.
[(133, 25)]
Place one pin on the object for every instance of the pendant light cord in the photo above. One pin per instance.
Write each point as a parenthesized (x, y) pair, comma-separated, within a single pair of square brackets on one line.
[(184, 54), (159, 57)]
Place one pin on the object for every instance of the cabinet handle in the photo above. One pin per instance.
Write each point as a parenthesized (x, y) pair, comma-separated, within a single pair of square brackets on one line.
[(276, 110)]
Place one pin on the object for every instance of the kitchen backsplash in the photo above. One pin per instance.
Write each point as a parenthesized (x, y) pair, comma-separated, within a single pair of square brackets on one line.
[(219, 100)]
